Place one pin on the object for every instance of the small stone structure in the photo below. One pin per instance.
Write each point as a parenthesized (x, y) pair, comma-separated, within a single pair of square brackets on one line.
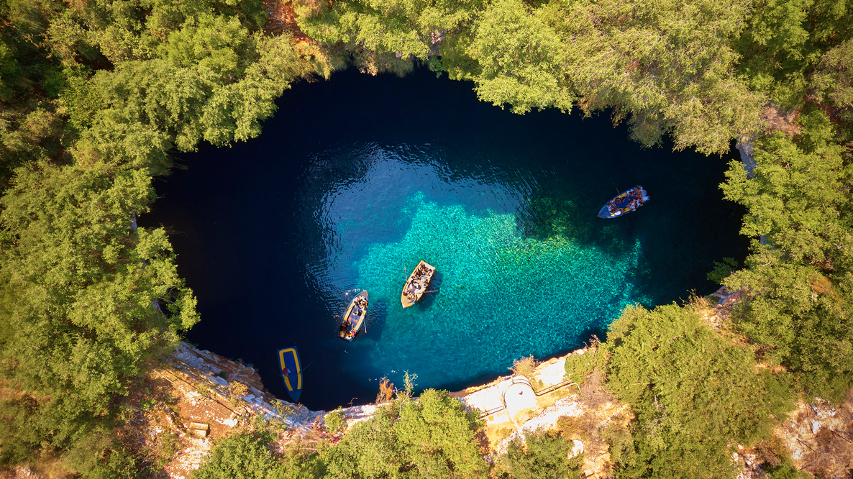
[(519, 395)]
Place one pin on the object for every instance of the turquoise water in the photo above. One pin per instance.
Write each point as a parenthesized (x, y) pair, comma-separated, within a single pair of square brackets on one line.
[(497, 295), (347, 191), (500, 296)]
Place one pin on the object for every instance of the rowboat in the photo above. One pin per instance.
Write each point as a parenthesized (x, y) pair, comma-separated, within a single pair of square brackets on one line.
[(291, 371), (354, 316), (417, 284), (624, 203)]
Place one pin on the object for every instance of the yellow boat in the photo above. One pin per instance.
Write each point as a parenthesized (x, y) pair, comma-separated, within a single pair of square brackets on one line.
[(354, 316), (417, 283)]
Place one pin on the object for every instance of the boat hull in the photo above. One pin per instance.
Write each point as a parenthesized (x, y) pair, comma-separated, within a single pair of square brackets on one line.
[(291, 371), (416, 285), (354, 316), (624, 203)]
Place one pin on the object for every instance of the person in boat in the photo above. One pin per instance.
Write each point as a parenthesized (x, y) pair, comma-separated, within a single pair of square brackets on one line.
[(412, 291)]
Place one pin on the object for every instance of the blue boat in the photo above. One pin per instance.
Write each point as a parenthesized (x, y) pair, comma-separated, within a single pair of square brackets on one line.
[(291, 371), (624, 203)]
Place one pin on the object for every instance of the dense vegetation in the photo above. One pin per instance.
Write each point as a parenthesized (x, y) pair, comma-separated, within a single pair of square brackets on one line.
[(96, 95), (432, 437), (692, 390)]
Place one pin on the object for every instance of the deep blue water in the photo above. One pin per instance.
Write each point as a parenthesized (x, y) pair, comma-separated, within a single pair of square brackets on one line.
[(358, 178)]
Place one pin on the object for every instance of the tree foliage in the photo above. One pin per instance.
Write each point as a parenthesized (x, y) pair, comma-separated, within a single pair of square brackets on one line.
[(695, 394), (248, 455), (541, 455), (785, 41), (833, 84), (668, 66), (86, 300), (800, 275), (520, 58), (430, 437), (96, 95)]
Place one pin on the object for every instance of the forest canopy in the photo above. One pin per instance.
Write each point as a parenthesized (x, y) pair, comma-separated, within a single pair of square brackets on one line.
[(98, 95)]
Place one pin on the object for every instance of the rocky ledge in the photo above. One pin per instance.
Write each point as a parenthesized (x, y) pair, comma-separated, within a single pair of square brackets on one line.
[(194, 397)]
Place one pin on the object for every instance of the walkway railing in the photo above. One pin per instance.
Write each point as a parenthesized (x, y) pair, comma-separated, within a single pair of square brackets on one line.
[(523, 380)]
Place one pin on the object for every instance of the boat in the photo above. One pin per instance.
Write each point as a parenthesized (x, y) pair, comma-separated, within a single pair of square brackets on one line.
[(417, 283), (291, 371), (624, 203), (354, 316)]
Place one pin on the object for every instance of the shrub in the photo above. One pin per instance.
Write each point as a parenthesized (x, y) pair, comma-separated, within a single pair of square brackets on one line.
[(524, 367), (99, 456), (433, 437), (722, 270), (335, 420), (541, 455), (580, 366), (246, 455)]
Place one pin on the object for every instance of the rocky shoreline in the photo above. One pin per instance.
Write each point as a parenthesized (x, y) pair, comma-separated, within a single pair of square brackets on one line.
[(222, 395)]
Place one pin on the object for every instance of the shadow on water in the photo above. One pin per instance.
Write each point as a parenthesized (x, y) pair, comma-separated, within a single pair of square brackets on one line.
[(546, 216), (589, 333), (432, 292), (377, 317)]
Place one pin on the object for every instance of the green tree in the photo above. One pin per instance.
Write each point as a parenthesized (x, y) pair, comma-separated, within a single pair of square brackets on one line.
[(210, 96), (785, 41), (428, 437), (833, 84), (95, 97), (695, 394), (667, 66), (800, 276), (10, 71), (248, 455), (777, 50), (520, 58), (541, 455), (408, 28), (87, 301)]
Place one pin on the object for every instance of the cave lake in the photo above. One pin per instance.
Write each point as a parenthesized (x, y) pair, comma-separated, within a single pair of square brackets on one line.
[(357, 178)]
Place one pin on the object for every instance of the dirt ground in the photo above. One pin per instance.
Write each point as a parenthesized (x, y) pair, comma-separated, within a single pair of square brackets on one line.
[(282, 19)]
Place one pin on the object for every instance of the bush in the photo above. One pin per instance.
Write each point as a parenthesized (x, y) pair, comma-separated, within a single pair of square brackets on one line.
[(524, 367), (580, 366), (799, 311), (722, 270), (433, 437), (99, 456), (335, 420), (245, 455), (541, 455)]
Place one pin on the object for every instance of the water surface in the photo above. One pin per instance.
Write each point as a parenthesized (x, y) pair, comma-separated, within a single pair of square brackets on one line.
[(357, 179)]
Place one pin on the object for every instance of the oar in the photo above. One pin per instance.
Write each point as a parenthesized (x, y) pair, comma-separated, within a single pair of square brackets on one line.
[(306, 367), (617, 189)]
